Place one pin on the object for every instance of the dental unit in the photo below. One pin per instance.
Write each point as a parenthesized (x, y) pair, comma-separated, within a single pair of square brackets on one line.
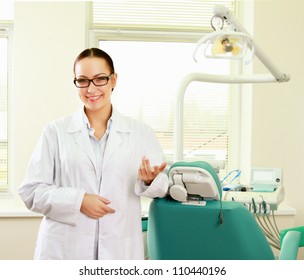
[(193, 183)]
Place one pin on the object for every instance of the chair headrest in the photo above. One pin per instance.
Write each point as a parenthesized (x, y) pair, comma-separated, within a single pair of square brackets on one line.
[(197, 177)]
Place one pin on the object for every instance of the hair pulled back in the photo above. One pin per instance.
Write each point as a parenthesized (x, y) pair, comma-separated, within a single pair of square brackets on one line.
[(95, 52)]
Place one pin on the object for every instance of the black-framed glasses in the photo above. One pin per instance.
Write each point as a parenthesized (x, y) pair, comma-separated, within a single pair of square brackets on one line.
[(99, 81)]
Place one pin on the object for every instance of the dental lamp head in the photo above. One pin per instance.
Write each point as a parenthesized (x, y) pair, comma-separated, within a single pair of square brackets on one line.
[(226, 44), (234, 42)]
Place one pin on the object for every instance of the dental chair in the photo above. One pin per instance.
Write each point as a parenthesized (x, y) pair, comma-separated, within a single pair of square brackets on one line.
[(193, 223)]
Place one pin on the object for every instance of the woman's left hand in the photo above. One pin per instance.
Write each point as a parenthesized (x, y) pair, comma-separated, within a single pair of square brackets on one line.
[(147, 173)]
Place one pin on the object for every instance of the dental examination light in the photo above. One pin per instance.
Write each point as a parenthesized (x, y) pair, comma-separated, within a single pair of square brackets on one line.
[(226, 44), (235, 43), (232, 43)]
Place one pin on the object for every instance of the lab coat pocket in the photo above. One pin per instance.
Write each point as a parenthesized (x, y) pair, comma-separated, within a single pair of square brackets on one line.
[(49, 247), (80, 239), (122, 248), (51, 240), (81, 246)]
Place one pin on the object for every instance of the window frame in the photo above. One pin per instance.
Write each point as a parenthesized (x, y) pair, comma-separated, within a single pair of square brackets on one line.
[(6, 31)]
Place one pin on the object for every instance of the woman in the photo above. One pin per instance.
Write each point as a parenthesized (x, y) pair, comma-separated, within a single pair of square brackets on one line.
[(88, 171)]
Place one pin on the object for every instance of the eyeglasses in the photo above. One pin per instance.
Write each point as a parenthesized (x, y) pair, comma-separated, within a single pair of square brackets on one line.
[(99, 81)]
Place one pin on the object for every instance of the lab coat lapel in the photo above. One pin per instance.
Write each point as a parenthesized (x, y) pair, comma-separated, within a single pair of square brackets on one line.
[(78, 130), (113, 142), (119, 127)]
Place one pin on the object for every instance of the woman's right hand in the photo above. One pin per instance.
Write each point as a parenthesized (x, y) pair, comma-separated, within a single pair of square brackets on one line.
[(95, 206)]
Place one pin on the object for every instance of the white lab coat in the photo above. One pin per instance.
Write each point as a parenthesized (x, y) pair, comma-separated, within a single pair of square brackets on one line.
[(62, 169)]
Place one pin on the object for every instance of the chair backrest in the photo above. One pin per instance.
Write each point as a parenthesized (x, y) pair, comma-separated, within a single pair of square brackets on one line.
[(178, 231)]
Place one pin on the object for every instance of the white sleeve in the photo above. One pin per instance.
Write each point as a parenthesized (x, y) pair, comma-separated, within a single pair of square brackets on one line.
[(158, 188), (40, 190), (153, 151)]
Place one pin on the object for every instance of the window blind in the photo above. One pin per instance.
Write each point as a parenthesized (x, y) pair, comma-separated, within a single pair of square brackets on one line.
[(6, 10), (6, 23), (4, 110), (183, 15)]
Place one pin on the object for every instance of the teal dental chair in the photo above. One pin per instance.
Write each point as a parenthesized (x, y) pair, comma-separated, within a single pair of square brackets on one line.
[(207, 228)]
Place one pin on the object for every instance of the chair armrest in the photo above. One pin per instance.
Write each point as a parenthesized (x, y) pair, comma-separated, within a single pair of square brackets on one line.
[(299, 229), (290, 243)]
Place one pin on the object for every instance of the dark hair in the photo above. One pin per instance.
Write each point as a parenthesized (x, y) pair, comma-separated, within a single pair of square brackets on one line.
[(95, 52)]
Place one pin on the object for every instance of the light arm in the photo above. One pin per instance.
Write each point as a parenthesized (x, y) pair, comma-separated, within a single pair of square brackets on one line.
[(228, 16)]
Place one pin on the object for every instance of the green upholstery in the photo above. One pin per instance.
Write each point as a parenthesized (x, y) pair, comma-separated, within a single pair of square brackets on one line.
[(290, 245), (299, 229), (144, 224), (177, 231), (291, 239)]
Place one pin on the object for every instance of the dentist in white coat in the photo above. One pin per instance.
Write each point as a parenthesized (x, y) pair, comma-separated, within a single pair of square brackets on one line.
[(88, 171)]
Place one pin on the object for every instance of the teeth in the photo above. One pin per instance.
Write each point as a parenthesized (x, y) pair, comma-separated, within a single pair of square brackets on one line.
[(93, 98)]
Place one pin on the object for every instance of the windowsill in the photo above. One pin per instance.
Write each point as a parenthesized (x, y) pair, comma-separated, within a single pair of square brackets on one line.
[(12, 207), (6, 195), (17, 213)]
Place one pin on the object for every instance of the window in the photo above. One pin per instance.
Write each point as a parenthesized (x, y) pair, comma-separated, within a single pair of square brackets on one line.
[(4, 106), (6, 16), (151, 56)]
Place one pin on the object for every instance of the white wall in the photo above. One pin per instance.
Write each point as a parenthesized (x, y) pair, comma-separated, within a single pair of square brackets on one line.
[(47, 38), (277, 114)]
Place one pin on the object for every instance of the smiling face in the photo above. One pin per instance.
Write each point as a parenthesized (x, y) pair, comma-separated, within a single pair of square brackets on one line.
[(95, 98)]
